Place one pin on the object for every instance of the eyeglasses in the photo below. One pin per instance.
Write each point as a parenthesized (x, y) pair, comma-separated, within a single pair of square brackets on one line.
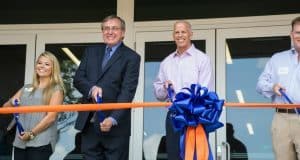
[(296, 32), (113, 28)]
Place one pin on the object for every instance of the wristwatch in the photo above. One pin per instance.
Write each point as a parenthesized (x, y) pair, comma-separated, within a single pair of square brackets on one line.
[(31, 135)]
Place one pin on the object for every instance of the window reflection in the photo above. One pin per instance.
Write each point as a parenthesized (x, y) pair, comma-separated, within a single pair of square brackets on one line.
[(69, 56), (249, 56), (12, 67)]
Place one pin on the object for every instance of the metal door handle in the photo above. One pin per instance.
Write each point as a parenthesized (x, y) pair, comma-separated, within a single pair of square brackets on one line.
[(225, 146), (228, 150)]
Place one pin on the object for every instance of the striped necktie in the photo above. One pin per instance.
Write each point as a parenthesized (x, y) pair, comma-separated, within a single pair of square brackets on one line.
[(106, 56)]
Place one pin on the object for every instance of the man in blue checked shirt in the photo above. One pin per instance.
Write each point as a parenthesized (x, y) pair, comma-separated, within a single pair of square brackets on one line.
[(282, 72)]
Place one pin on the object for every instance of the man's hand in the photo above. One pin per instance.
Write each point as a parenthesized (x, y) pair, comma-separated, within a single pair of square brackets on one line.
[(167, 83), (106, 125), (96, 91), (276, 88)]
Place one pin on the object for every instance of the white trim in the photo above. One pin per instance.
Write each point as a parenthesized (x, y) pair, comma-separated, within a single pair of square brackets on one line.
[(148, 26), (125, 9), (29, 41), (216, 23), (46, 27), (50, 38)]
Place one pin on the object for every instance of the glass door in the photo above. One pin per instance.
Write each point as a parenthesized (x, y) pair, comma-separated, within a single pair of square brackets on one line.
[(16, 68), (69, 49), (241, 56), (150, 133)]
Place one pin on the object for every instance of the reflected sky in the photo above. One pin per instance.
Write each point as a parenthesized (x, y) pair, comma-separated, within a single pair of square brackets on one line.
[(243, 75), (154, 118)]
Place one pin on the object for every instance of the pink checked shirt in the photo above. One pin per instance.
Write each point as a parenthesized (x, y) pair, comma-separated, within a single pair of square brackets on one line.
[(183, 70)]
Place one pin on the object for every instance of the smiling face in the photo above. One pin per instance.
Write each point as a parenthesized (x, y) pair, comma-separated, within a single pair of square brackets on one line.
[(182, 35), (43, 67), (295, 36), (113, 32)]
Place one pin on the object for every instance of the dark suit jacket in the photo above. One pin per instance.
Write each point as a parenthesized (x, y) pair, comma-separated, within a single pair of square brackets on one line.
[(118, 80)]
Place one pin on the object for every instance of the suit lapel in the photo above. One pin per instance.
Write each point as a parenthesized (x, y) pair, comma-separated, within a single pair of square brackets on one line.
[(100, 56)]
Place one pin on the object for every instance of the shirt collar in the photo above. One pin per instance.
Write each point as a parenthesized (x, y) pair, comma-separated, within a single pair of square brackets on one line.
[(293, 50), (189, 51), (114, 48)]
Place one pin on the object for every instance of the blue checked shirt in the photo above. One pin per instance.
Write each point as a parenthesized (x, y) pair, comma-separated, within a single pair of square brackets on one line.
[(282, 68)]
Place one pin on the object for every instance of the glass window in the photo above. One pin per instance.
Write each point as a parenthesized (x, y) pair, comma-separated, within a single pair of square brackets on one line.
[(69, 56), (12, 69), (248, 127)]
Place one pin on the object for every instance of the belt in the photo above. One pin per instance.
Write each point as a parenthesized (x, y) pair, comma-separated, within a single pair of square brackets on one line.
[(281, 110)]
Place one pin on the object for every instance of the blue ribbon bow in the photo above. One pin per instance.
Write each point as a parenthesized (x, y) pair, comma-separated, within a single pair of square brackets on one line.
[(194, 106)]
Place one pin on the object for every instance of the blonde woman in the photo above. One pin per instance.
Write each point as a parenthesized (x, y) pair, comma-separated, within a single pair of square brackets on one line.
[(40, 129)]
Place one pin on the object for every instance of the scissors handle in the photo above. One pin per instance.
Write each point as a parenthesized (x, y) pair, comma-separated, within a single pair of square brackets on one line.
[(99, 113), (170, 91), (16, 116), (285, 96)]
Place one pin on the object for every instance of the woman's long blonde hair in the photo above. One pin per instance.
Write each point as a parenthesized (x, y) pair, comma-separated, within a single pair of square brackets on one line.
[(55, 77)]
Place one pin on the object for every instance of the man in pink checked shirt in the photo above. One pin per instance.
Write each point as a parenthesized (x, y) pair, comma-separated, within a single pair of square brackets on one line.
[(185, 66)]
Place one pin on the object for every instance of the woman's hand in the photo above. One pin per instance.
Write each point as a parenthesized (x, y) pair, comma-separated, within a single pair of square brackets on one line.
[(25, 136), (15, 101)]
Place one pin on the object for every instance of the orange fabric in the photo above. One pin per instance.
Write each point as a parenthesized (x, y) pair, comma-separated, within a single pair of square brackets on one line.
[(112, 106), (201, 143), (189, 143), (80, 107), (196, 141)]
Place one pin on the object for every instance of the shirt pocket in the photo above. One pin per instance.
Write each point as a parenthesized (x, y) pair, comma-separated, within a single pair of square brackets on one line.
[(283, 75)]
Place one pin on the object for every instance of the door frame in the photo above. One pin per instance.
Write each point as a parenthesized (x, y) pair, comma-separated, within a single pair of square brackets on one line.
[(222, 35), (29, 41), (160, 36), (53, 38)]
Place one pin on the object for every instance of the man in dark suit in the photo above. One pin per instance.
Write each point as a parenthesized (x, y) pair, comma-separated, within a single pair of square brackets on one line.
[(110, 71)]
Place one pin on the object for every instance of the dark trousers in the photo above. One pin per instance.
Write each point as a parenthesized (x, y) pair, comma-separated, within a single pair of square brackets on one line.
[(95, 147), (172, 140), (33, 153)]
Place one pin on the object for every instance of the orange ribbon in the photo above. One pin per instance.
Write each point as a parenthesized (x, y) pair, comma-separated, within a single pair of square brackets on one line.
[(113, 106), (196, 141)]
